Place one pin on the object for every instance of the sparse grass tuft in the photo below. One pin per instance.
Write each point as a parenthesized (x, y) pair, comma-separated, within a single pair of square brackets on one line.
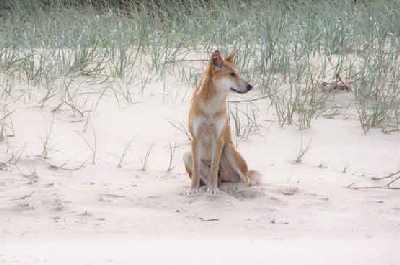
[(146, 158), (303, 149)]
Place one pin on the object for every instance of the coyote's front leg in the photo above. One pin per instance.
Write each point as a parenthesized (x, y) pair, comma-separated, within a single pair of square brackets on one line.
[(216, 153), (195, 179)]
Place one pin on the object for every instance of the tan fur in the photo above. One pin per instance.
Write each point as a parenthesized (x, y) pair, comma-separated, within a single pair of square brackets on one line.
[(213, 158)]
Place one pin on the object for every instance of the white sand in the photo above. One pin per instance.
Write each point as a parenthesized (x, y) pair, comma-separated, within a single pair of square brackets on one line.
[(100, 214)]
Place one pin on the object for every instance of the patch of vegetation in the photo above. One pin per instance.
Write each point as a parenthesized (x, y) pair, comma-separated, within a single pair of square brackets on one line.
[(284, 47)]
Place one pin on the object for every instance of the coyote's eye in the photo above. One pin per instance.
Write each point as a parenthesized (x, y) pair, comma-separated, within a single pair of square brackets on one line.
[(233, 74)]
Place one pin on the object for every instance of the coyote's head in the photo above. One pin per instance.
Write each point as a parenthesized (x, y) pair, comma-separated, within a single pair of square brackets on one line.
[(224, 74)]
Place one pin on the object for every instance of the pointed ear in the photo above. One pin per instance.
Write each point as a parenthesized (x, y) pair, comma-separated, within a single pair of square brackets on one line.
[(232, 56), (216, 59)]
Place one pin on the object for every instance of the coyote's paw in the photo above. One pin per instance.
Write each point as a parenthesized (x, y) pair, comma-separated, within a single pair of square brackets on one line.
[(192, 191), (213, 191)]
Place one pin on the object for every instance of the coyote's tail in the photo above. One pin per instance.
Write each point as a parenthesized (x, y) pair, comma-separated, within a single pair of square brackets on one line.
[(254, 177)]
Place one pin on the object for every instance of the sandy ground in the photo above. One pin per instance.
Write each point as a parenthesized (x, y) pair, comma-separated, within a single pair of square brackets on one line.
[(55, 211)]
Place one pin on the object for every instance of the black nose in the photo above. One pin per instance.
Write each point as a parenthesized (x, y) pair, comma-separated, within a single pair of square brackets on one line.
[(249, 87)]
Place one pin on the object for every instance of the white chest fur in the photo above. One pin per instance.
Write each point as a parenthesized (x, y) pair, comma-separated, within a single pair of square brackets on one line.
[(207, 130), (211, 123), (206, 127)]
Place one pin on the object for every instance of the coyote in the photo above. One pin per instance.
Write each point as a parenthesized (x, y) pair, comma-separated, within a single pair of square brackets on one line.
[(213, 158)]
